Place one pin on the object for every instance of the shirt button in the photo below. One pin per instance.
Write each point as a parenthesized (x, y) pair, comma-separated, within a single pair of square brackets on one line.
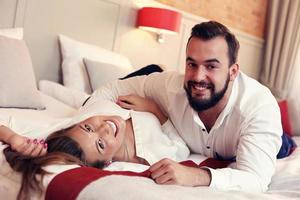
[(203, 130), (208, 147)]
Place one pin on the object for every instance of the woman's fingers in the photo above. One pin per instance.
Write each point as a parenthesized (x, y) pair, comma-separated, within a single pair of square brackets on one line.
[(32, 148), (21, 146), (44, 150)]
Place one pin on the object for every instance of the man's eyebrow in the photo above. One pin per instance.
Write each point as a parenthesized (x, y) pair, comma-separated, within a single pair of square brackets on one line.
[(190, 59), (205, 61), (212, 60)]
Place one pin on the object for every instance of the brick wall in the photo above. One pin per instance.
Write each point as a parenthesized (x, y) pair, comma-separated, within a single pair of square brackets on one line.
[(245, 15)]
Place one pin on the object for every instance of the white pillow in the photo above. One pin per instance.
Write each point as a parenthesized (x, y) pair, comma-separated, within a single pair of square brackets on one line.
[(100, 73), (66, 95), (17, 81), (73, 52), (16, 33)]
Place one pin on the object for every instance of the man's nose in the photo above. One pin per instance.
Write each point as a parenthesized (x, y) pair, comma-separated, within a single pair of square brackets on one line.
[(200, 73)]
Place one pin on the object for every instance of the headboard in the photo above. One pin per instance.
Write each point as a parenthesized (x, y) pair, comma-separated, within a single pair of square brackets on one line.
[(91, 21), (109, 24)]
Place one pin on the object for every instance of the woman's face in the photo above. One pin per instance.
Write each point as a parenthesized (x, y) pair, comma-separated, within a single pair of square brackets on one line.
[(100, 137)]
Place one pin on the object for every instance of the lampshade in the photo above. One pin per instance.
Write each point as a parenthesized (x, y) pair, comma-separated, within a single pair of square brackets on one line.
[(159, 20)]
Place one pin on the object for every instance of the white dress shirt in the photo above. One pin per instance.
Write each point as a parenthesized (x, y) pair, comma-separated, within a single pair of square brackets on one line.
[(247, 130), (153, 142)]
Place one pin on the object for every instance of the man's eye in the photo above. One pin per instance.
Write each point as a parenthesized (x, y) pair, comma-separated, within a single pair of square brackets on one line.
[(88, 128), (100, 144), (211, 66), (192, 65)]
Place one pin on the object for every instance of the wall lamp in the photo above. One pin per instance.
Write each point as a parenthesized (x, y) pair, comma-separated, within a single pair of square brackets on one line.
[(159, 20)]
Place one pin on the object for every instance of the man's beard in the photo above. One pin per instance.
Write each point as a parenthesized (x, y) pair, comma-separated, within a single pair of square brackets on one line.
[(201, 105)]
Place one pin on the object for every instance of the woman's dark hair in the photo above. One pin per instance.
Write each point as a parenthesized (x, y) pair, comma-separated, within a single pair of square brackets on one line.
[(61, 150), (210, 30)]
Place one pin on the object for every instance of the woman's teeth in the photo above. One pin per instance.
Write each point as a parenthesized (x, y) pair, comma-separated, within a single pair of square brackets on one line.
[(113, 126)]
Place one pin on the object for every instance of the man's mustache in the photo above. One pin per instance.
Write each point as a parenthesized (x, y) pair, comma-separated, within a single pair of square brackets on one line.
[(202, 84)]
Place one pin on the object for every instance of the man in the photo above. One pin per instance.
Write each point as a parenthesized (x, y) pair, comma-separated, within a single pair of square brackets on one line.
[(218, 111)]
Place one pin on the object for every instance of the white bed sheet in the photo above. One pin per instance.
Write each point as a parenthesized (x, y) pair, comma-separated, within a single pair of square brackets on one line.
[(285, 185)]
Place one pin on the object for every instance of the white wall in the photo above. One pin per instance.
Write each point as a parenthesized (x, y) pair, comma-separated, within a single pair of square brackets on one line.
[(142, 48)]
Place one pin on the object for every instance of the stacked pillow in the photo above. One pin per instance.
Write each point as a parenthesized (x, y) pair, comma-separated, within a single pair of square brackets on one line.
[(101, 66), (17, 81), (100, 73)]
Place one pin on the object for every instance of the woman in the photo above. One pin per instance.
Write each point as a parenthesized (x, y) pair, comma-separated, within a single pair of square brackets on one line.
[(94, 139)]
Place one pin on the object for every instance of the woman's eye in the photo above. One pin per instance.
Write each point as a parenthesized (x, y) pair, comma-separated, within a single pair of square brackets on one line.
[(101, 145), (88, 128)]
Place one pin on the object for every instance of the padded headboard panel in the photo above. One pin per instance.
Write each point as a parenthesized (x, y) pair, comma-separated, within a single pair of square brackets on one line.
[(91, 21)]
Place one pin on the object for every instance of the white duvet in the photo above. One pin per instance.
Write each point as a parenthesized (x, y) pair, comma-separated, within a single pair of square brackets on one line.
[(285, 185)]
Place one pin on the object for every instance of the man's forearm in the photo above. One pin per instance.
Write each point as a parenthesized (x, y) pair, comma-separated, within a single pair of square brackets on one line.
[(159, 114)]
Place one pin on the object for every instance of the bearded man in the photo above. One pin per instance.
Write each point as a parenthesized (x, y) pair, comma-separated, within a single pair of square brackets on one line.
[(219, 112)]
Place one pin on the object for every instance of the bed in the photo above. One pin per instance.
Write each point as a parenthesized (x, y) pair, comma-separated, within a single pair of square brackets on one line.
[(63, 68)]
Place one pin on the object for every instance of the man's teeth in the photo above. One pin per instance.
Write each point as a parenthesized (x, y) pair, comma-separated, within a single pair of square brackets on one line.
[(114, 127), (199, 87)]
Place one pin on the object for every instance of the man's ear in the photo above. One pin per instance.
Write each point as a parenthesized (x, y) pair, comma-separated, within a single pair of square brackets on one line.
[(234, 71)]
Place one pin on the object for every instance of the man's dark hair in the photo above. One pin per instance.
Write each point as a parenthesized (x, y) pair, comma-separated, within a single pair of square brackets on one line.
[(212, 29)]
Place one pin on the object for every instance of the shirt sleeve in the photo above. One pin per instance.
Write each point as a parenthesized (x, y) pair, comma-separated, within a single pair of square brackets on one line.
[(258, 146), (152, 86), (113, 90), (182, 149)]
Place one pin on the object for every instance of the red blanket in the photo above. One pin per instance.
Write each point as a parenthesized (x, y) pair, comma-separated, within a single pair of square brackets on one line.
[(68, 184)]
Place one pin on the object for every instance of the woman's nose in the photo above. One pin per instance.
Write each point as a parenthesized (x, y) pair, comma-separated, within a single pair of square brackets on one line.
[(105, 129)]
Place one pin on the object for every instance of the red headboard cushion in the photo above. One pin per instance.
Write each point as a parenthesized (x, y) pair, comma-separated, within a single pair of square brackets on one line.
[(286, 124)]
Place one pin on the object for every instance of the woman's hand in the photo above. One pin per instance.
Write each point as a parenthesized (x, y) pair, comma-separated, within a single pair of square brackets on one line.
[(138, 103), (26, 146)]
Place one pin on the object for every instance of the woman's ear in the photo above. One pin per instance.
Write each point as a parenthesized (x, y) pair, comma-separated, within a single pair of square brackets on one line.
[(234, 71)]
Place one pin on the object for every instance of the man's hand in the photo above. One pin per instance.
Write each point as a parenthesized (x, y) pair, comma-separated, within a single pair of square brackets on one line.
[(26, 146), (138, 103), (167, 171)]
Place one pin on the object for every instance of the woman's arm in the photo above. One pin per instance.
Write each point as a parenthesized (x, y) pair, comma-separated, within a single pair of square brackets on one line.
[(139, 103), (5, 134), (21, 144)]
